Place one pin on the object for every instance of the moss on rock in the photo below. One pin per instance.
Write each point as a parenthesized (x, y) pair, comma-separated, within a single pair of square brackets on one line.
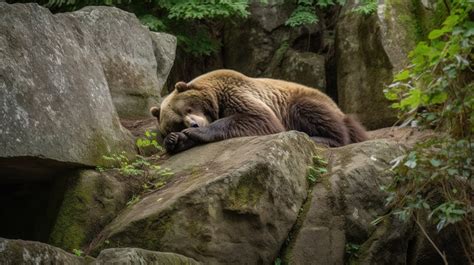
[(90, 201)]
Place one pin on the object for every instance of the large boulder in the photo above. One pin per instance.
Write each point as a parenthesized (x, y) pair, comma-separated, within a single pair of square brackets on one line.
[(369, 51), (335, 226), (237, 196), (13, 252), (343, 204), (131, 256), (135, 61), (55, 98)]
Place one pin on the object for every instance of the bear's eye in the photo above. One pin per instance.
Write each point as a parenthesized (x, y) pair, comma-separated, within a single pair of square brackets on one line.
[(189, 110)]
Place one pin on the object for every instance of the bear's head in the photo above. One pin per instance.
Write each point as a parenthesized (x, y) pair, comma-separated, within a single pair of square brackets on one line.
[(187, 106)]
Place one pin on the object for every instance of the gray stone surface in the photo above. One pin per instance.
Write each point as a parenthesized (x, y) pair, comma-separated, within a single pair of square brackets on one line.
[(132, 256), (369, 51), (15, 252), (344, 203), (230, 202), (135, 61), (305, 68), (21, 252), (54, 97)]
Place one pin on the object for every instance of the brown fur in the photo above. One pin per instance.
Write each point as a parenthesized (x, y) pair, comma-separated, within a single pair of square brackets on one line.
[(223, 104)]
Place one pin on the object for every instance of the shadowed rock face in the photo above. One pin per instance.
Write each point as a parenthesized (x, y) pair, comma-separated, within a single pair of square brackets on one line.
[(369, 51), (228, 198)]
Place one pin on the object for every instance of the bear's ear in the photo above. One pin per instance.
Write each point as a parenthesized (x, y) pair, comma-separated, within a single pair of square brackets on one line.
[(181, 87), (155, 111)]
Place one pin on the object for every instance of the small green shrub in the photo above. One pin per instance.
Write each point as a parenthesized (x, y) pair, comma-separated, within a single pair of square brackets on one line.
[(366, 7), (153, 175), (352, 250), (149, 141), (78, 252), (317, 169), (305, 12)]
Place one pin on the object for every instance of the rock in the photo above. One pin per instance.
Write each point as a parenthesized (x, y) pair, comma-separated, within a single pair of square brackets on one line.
[(13, 252), (130, 256), (164, 47), (91, 200), (263, 46), (369, 51), (408, 136), (305, 68), (135, 61), (237, 196), (252, 50), (335, 226), (56, 104), (342, 205)]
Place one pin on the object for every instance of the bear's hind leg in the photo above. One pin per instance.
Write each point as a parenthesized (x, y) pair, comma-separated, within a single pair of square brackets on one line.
[(319, 121)]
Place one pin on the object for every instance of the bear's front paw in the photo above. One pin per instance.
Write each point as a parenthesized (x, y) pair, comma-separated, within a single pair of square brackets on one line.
[(197, 134), (172, 140)]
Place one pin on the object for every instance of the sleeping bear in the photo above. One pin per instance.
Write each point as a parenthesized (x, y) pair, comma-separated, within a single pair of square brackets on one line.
[(223, 104)]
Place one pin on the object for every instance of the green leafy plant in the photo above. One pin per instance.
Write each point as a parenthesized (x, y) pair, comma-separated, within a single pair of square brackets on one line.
[(366, 7), (317, 169), (277, 261), (352, 250), (305, 12), (436, 91), (78, 252), (125, 165), (153, 176), (149, 141), (135, 198)]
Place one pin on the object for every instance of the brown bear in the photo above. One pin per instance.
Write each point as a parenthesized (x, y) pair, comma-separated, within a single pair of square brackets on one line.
[(223, 104)]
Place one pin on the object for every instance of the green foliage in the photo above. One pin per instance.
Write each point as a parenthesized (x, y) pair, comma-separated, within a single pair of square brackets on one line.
[(204, 9), (305, 12), (153, 23), (153, 176), (77, 252), (366, 7), (317, 169), (352, 250), (124, 165), (149, 141), (302, 15), (133, 200), (437, 91)]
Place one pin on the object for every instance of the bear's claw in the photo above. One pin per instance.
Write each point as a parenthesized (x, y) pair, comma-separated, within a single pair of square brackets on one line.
[(171, 141)]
